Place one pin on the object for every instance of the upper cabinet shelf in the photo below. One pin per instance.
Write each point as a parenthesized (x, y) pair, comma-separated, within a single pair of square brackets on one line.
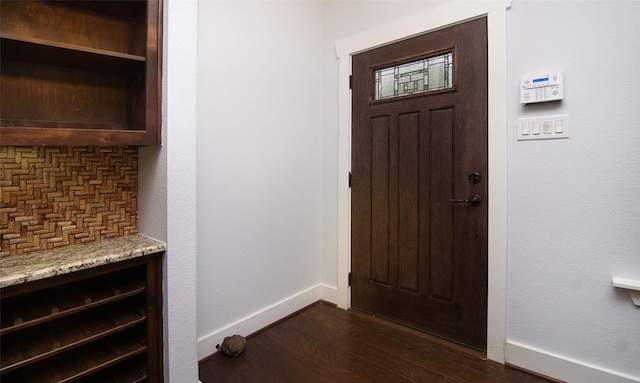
[(80, 72), (29, 49)]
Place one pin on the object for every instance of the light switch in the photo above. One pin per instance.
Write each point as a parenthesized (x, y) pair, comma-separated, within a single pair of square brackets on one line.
[(536, 127), (543, 128)]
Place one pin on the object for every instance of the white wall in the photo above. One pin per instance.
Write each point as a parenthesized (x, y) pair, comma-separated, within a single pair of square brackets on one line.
[(267, 157), (573, 217), (167, 190), (260, 165), (267, 175)]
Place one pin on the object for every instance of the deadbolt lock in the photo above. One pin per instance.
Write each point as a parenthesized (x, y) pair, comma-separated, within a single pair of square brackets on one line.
[(474, 178)]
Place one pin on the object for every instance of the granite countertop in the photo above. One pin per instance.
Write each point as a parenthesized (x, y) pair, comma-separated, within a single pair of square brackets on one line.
[(42, 264)]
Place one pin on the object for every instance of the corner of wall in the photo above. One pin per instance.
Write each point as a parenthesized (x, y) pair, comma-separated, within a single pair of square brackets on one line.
[(264, 317)]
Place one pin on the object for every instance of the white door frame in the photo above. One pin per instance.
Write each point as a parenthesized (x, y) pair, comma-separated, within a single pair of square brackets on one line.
[(435, 18)]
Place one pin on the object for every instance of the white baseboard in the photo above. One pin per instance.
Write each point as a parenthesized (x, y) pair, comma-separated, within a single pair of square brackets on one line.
[(265, 317), (329, 293), (560, 367)]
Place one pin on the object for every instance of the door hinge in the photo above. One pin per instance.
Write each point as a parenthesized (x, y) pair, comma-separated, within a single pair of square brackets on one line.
[(350, 279), (350, 179), (350, 81)]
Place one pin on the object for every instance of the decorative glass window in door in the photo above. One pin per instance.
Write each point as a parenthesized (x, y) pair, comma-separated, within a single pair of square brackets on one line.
[(421, 76)]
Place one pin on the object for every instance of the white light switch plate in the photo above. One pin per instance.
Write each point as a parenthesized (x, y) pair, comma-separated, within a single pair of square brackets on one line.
[(543, 128)]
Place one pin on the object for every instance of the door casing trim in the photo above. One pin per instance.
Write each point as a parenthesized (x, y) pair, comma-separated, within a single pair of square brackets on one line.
[(422, 22)]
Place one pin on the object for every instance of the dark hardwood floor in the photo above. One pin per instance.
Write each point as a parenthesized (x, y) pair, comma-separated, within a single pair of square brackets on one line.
[(325, 344)]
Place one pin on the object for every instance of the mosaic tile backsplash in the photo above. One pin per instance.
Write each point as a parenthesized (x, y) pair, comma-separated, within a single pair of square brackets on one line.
[(58, 196)]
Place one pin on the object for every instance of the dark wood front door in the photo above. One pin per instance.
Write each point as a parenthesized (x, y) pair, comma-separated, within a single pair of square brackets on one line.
[(418, 256)]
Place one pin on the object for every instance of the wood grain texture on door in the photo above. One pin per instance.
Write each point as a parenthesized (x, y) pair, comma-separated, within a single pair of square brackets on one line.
[(418, 257)]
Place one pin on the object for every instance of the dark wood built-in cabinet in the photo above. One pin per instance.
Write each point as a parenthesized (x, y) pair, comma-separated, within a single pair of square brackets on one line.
[(97, 325), (80, 72)]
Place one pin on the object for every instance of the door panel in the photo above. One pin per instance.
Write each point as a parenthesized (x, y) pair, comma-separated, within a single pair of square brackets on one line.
[(440, 183), (408, 202), (417, 257), (380, 128)]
